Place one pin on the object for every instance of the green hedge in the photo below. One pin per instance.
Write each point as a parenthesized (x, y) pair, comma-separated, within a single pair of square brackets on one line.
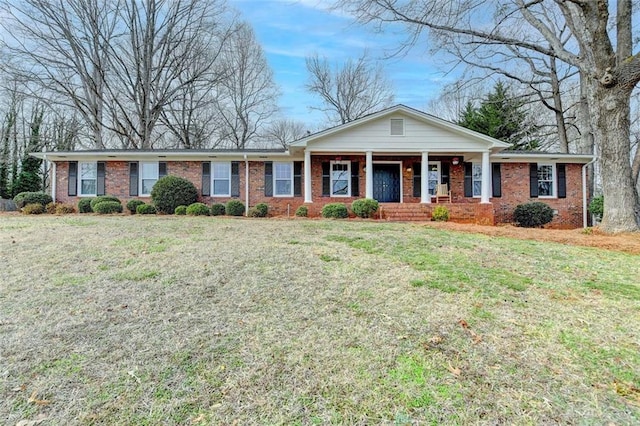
[(440, 214), (198, 209), (24, 198), (365, 207), (107, 207), (170, 192), (234, 208), (217, 209), (84, 205), (335, 210), (100, 199), (302, 211), (132, 205), (181, 210), (533, 215), (146, 209)]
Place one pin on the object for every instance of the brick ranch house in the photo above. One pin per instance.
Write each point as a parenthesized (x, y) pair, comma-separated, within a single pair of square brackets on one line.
[(398, 156)]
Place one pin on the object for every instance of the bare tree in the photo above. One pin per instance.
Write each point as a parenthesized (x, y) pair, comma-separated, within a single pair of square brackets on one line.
[(349, 92), (246, 98), (608, 74), (284, 131)]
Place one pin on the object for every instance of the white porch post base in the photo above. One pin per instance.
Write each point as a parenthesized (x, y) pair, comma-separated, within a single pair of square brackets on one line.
[(425, 197)]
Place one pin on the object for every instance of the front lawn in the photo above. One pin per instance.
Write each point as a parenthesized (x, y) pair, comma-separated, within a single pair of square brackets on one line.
[(199, 320)]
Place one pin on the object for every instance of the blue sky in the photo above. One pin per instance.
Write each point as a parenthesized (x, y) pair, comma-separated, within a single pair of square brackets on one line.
[(290, 30)]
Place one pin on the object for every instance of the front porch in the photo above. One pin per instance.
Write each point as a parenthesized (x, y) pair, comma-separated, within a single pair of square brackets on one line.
[(476, 213)]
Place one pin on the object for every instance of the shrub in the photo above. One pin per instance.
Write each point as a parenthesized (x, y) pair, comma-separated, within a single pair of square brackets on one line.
[(24, 198), (234, 208), (170, 192), (198, 209), (533, 215), (108, 207), (50, 208), (440, 214), (65, 209), (100, 199), (217, 209), (335, 210), (302, 211), (33, 208), (181, 210), (84, 205), (146, 209), (364, 207), (262, 209), (596, 207), (132, 205)]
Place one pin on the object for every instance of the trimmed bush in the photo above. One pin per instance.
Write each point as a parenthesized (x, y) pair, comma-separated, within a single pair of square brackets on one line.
[(596, 207), (33, 208), (146, 209), (335, 210), (107, 207), (170, 192), (181, 210), (84, 205), (24, 198), (65, 209), (217, 209), (100, 199), (132, 205), (234, 208), (440, 214), (198, 209), (261, 210), (364, 207), (532, 215), (302, 211), (50, 208)]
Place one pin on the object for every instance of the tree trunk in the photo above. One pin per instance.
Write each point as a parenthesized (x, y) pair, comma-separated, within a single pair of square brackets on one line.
[(610, 111)]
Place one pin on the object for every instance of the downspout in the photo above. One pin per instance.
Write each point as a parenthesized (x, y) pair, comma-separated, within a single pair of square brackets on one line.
[(585, 222), (246, 185)]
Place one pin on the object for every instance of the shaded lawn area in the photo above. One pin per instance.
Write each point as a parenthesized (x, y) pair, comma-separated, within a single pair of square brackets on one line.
[(183, 320)]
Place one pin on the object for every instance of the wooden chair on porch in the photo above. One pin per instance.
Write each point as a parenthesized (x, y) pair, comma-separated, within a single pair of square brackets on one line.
[(443, 194)]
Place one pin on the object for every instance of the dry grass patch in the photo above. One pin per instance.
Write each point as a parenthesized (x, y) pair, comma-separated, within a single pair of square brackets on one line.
[(179, 320)]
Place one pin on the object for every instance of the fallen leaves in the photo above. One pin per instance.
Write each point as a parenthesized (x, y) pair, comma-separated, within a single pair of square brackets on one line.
[(34, 399), (474, 336)]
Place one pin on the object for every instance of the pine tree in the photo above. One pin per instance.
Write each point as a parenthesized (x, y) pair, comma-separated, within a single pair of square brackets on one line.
[(500, 116), (29, 179)]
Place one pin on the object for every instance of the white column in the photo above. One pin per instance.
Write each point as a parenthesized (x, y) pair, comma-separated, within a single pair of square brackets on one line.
[(369, 175), (486, 179), (425, 197), (307, 176)]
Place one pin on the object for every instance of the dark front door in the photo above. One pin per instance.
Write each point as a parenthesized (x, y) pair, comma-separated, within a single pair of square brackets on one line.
[(386, 183)]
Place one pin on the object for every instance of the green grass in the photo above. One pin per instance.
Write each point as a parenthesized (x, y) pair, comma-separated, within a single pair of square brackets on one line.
[(178, 320)]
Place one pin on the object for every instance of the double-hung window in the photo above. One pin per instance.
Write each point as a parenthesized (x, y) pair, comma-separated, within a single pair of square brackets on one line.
[(148, 177), (88, 181), (433, 177), (221, 176), (340, 178), (546, 180), (283, 179), (476, 179)]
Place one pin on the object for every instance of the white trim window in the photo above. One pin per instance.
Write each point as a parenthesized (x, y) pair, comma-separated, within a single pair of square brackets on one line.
[(340, 178), (221, 179), (433, 176), (283, 179), (88, 182), (396, 127), (149, 174), (476, 179), (546, 180)]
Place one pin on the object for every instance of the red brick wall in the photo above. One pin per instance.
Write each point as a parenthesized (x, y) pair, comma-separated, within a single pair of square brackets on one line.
[(515, 189)]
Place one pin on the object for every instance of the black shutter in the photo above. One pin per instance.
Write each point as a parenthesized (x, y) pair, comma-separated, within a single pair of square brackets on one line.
[(268, 179), (496, 180), (417, 182), (297, 178), (235, 179), (133, 178), (100, 190), (326, 179), (162, 169), (533, 180), (355, 179), (562, 180), (206, 178), (73, 178), (444, 174), (468, 179)]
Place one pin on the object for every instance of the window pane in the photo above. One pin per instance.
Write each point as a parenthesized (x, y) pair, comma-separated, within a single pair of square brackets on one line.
[(545, 173), (477, 188), (477, 172), (283, 187), (88, 187), (88, 170), (545, 188), (282, 170), (221, 170), (221, 187), (149, 171), (340, 187), (147, 185)]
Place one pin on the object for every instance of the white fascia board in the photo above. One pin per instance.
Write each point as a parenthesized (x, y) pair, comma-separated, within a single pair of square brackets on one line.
[(510, 157), (160, 156)]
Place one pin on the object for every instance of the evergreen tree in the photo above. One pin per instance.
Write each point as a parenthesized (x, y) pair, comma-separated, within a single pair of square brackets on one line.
[(29, 178), (502, 117)]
